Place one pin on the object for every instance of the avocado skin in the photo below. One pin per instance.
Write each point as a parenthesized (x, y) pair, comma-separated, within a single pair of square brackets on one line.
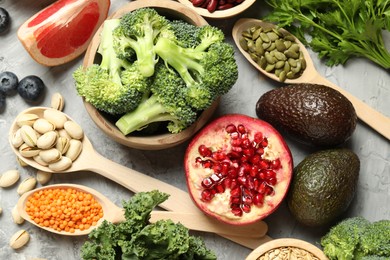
[(313, 114), (323, 186)]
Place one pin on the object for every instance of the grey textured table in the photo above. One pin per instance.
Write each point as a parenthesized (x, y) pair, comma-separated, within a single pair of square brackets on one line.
[(360, 77)]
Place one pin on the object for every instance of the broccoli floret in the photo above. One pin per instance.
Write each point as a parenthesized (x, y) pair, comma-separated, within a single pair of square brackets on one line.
[(376, 239), (138, 31), (208, 70), (186, 34), (114, 86), (167, 103), (342, 240)]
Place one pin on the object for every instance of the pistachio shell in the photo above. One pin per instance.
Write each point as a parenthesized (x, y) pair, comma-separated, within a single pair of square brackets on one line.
[(43, 126), (28, 135), (21, 162), (50, 155), (17, 139), (61, 165), (9, 178), (1, 210), (43, 177), (19, 239), (74, 150), (27, 151), (63, 133), (16, 216), (26, 119), (57, 101), (39, 160), (26, 185), (56, 117), (74, 130), (47, 140), (62, 144)]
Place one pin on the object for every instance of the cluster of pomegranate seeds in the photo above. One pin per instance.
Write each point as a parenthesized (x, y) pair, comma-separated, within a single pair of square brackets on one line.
[(243, 170)]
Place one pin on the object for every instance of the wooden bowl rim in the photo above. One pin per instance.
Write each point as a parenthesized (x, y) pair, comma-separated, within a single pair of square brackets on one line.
[(154, 142), (219, 14), (282, 242)]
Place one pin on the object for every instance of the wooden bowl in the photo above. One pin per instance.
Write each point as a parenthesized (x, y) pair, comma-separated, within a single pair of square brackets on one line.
[(171, 10), (219, 14), (287, 245)]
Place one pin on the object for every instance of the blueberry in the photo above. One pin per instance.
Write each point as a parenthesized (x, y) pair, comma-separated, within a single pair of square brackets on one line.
[(4, 20), (31, 88), (2, 101), (8, 83)]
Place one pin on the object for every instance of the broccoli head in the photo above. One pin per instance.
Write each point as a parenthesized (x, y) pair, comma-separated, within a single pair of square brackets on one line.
[(114, 86), (167, 103), (376, 239), (137, 32), (342, 240)]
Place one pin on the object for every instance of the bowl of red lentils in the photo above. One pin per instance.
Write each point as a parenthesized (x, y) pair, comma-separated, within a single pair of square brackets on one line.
[(285, 249), (218, 8)]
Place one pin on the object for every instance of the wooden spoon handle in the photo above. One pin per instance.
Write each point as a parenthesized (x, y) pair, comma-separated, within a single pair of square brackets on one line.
[(204, 223), (178, 200), (367, 114)]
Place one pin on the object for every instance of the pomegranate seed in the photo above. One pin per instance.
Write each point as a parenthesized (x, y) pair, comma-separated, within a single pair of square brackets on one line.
[(254, 170), (227, 183), (237, 149), (262, 188), (264, 143), (236, 142), (241, 180), (271, 181), (250, 183), (275, 164), (207, 183), (234, 184), (220, 188), (248, 152), (236, 192), (263, 164), (234, 135), (230, 128), (258, 199), (235, 200), (206, 195), (260, 151), (256, 159), (247, 199), (232, 173), (246, 208), (270, 174), (204, 151), (198, 160), (237, 212), (241, 129), (218, 156), (258, 137)]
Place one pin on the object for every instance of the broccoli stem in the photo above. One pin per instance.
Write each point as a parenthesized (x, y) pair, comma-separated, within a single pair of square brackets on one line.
[(147, 112)]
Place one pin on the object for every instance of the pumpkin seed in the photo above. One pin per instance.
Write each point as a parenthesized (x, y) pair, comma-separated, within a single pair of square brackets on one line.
[(19, 239)]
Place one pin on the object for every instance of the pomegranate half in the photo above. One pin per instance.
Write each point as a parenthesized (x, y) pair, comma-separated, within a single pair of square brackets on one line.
[(238, 169)]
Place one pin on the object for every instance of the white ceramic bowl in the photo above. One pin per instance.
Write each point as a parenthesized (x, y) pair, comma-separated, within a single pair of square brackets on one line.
[(170, 9), (219, 14)]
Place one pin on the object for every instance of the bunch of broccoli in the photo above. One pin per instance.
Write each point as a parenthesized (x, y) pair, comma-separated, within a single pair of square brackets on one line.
[(357, 238), (156, 70)]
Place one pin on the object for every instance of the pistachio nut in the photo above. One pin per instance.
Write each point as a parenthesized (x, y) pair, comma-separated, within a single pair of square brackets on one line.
[(19, 239), (26, 185), (74, 150), (47, 140), (57, 101), (50, 155), (1, 210), (62, 144), (9, 178), (43, 177), (63, 133), (28, 135), (26, 119), (61, 165), (43, 126), (39, 160), (74, 130), (21, 162), (17, 139), (16, 216), (56, 117), (27, 151)]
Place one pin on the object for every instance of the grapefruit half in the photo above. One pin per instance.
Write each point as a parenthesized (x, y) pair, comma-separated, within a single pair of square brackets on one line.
[(62, 31)]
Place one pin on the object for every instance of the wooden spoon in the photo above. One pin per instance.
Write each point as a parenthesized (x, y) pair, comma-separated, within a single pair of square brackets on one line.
[(370, 116), (90, 160), (115, 214)]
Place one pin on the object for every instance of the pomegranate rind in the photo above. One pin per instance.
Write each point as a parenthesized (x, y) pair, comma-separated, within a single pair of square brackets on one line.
[(34, 33), (214, 135)]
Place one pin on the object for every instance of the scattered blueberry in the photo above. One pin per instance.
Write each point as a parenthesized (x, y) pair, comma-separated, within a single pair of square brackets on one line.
[(2, 102), (31, 88), (8, 83), (4, 20)]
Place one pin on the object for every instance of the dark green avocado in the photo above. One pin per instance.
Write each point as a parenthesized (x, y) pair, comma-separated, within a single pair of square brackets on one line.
[(323, 186), (312, 113)]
